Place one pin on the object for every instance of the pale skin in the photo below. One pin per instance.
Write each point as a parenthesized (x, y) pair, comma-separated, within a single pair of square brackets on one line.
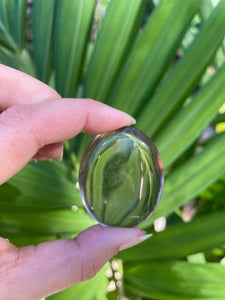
[(34, 121)]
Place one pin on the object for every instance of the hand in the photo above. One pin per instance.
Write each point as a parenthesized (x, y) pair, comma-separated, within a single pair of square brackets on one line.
[(33, 123)]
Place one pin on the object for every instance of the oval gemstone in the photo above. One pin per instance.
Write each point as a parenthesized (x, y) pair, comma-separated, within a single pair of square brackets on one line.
[(121, 177)]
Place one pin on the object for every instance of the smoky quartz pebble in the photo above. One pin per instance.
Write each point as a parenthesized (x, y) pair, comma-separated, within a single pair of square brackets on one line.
[(121, 177)]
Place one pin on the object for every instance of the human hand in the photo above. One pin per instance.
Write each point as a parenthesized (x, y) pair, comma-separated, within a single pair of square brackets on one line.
[(33, 123)]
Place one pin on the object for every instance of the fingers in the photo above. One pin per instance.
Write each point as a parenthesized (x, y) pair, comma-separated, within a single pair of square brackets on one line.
[(20, 88), (50, 151), (25, 129), (15, 123), (56, 265)]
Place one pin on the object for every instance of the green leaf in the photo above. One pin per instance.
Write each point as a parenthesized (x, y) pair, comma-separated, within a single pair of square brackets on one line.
[(41, 185), (192, 177), (216, 191), (93, 289), (188, 124), (220, 118), (36, 220), (115, 38), (185, 76), (42, 193), (17, 21), (152, 53), (5, 38), (181, 240), (132, 59), (3, 14), (8, 7), (176, 280), (20, 60), (197, 258), (21, 239), (206, 8), (72, 28), (42, 27)]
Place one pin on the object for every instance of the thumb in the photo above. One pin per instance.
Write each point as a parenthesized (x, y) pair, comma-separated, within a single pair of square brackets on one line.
[(52, 266), (98, 244)]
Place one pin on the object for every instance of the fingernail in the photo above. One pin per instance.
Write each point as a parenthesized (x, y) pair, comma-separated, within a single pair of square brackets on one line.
[(130, 119), (133, 121), (61, 155), (134, 241)]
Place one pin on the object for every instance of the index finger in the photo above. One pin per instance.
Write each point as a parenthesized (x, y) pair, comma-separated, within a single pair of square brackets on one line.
[(24, 129), (20, 88)]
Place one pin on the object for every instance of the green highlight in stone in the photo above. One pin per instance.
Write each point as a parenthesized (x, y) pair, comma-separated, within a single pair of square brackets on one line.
[(121, 177)]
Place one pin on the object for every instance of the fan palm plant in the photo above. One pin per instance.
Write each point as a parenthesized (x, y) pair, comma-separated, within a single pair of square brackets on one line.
[(162, 62)]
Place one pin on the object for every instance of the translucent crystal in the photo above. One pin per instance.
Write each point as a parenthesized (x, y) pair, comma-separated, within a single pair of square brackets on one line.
[(121, 177)]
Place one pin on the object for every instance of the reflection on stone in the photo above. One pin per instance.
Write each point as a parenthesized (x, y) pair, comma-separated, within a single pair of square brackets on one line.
[(121, 177)]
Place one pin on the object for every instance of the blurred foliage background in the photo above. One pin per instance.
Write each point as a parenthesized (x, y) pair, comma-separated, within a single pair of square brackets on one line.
[(164, 63)]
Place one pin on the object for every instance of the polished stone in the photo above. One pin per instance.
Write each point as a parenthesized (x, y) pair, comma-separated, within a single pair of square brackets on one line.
[(121, 177)]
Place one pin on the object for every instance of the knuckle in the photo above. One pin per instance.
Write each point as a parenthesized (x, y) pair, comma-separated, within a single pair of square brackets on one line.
[(89, 269), (17, 120), (17, 115)]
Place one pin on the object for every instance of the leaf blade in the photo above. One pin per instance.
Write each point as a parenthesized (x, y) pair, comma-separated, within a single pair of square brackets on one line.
[(94, 288), (73, 21), (18, 17), (191, 121), (181, 240), (176, 280), (115, 38), (19, 60), (184, 77), (42, 27), (154, 50), (191, 178)]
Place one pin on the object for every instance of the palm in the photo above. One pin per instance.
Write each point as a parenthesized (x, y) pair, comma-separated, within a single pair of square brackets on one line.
[(173, 101)]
